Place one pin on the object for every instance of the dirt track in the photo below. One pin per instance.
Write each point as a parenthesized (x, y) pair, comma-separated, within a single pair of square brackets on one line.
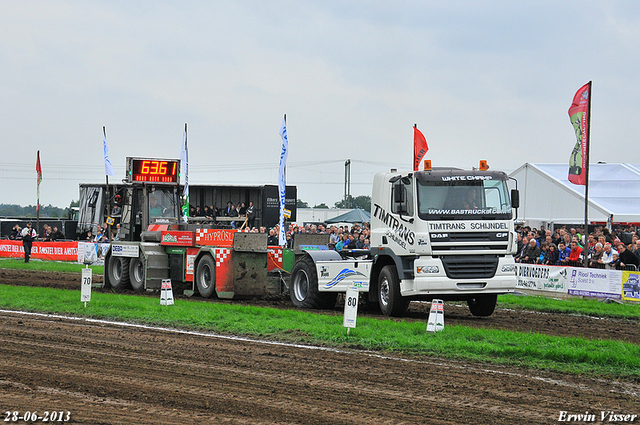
[(108, 373)]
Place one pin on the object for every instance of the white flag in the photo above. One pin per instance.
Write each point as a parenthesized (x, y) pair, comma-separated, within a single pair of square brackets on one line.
[(108, 168), (282, 180)]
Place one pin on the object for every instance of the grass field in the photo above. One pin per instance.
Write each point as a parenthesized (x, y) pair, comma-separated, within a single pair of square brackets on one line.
[(530, 350)]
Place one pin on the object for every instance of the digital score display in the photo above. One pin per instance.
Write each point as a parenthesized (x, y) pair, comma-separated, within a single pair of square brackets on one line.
[(143, 170)]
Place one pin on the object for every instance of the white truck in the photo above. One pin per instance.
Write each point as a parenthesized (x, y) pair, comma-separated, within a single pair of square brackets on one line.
[(443, 233)]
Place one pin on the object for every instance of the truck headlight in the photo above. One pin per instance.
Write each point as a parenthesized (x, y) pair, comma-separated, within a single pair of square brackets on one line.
[(428, 269), (508, 268)]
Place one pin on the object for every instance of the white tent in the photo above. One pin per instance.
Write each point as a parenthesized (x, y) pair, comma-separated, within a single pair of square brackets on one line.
[(547, 196)]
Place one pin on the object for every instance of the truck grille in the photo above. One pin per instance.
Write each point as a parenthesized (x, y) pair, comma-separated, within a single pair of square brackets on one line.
[(470, 266), (469, 241)]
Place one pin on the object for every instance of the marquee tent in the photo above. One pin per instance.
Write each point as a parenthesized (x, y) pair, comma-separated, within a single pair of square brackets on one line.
[(353, 216), (547, 196)]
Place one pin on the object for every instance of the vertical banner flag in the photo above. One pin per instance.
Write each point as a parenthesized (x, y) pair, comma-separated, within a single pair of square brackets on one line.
[(108, 168), (184, 159), (39, 169), (579, 115), (39, 172), (282, 180), (420, 147)]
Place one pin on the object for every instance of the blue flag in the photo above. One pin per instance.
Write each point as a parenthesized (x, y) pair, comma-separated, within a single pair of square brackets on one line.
[(282, 180), (108, 168)]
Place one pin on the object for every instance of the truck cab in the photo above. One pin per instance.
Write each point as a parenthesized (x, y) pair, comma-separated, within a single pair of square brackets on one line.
[(448, 233)]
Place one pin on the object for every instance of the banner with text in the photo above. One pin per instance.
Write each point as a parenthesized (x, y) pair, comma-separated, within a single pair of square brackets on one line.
[(51, 251), (576, 281)]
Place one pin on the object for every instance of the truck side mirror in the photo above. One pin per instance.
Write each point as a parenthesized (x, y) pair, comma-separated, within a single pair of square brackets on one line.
[(515, 198)]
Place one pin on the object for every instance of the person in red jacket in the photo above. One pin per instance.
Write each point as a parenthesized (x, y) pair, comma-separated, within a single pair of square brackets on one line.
[(575, 252)]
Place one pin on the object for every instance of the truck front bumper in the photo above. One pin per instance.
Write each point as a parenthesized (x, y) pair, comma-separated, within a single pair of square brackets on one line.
[(430, 278)]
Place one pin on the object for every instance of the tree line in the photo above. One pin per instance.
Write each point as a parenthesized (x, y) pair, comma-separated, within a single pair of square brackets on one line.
[(14, 210), (362, 202)]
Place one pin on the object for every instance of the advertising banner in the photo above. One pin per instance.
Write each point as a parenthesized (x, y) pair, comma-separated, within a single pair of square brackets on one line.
[(177, 238), (51, 251), (598, 283), (215, 237), (631, 286), (92, 253), (579, 115), (542, 278)]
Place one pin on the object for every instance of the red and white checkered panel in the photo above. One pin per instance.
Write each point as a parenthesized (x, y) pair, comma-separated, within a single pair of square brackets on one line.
[(222, 254), (275, 258)]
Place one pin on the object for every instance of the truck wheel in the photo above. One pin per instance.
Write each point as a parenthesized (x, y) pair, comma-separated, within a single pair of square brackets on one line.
[(482, 305), (137, 273), (118, 269), (389, 298), (206, 276), (303, 288)]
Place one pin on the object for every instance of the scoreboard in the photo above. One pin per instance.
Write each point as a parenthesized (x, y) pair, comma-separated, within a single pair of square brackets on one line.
[(153, 170)]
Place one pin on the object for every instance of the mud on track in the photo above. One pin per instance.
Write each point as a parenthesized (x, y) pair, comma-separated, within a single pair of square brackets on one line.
[(113, 374)]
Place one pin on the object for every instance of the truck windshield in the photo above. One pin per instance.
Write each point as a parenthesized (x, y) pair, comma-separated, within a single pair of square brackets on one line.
[(470, 199), (162, 203)]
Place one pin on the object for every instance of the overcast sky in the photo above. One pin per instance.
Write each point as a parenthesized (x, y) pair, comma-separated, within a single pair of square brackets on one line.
[(482, 80)]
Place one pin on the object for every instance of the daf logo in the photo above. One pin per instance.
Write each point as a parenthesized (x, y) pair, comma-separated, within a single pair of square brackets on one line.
[(439, 235)]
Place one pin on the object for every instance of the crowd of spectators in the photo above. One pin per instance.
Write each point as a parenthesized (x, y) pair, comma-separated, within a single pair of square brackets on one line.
[(246, 214), (340, 237), (49, 234), (618, 249)]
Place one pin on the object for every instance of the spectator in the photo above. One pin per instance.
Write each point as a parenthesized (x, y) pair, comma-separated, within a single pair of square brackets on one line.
[(520, 254), (595, 259), (118, 233), (576, 252), (251, 214), (615, 261), (56, 234), (607, 255), (552, 259), (544, 253), (563, 254), (242, 210), (272, 239), (627, 257), (531, 253), (232, 213), (16, 233)]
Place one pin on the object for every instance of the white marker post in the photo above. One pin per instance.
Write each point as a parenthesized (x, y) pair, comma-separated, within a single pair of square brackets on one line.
[(166, 293), (350, 308), (85, 289), (436, 316)]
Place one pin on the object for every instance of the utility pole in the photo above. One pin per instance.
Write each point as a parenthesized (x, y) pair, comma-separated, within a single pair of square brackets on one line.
[(347, 183)]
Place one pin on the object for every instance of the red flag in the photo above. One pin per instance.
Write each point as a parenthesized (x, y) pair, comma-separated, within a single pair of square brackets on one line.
[(579, 115), (39, 169), (420, 147)]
